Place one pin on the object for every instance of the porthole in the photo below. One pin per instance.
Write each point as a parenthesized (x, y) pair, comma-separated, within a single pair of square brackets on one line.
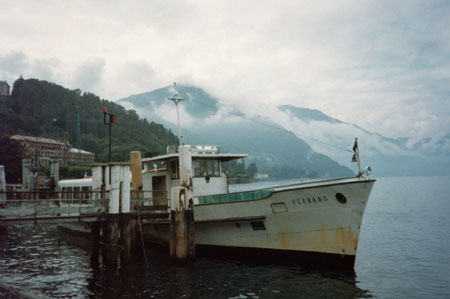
[(341, 198)]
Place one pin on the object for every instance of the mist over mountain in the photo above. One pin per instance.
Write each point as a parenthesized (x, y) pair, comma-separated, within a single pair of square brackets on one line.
[(287, 141), (387, 156)]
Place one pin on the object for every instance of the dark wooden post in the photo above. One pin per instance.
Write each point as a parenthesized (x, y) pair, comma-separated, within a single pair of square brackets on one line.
[(104, 242), (181, 236), (173, 235), (95, 242), (136, 184), (190, 227), (112, 239), (124, 225)]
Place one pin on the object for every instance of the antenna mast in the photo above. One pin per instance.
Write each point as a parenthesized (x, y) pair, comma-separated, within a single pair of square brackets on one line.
[(176, 100)]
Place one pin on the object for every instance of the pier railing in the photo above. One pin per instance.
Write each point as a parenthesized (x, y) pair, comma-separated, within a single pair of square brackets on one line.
[(74, 206), (50, 207)]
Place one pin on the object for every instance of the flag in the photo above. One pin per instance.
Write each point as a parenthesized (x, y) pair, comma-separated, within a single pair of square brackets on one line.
[(355, 146)]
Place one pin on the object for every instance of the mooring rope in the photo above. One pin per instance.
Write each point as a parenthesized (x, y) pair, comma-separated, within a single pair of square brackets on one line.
[(140, 229)]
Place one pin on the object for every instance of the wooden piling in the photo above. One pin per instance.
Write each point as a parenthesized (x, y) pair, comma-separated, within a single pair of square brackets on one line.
[(112, 239), (173, 235), (104, 242), (124, 241), (133, 232), (182, 227), (181, 236), (136, 170), (95, 243), (190, 227), (136, 184)]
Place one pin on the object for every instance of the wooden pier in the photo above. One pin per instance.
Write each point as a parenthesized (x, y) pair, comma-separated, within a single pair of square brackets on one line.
[(114, 210)]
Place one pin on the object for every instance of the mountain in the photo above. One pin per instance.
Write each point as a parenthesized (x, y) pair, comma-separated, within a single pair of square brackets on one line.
[(291, 141), (205, 121), (387, 156), (308, 115)]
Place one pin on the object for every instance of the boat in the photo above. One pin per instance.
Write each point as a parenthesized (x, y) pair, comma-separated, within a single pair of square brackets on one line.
[(319, 220)]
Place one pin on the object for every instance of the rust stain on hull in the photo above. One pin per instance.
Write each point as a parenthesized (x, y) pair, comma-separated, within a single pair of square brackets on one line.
[(347, 240)]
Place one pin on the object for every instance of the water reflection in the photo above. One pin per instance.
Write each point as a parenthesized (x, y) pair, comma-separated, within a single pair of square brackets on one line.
[(45, 262)]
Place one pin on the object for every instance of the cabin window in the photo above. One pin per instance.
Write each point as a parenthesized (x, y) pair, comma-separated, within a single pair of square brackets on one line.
[(204, 168), (69, 193), (76, 193), (85, 192), (173, 166), (64, 193)]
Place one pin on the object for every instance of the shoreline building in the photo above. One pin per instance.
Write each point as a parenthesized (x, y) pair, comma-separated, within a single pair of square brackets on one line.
[(4, 89), (84, 157), (41, 151)]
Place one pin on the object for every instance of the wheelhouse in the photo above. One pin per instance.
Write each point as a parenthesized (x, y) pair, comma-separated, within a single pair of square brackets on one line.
[(161, 173)]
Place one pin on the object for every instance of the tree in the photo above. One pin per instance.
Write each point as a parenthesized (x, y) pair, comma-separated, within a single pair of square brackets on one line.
[(49, 110), (11, 158), (252, 170)]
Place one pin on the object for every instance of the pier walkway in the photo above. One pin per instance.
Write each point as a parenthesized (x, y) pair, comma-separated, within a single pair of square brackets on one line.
[(48, 207)]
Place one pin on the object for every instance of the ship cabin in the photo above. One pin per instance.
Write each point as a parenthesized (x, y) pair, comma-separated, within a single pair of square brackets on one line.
[(161, 173)]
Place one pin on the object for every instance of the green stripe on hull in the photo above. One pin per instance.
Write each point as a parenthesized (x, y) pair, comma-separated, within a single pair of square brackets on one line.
[(233, 197)]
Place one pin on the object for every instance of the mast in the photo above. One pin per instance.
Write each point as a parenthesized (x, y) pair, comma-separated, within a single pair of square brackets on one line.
[(176, 100)]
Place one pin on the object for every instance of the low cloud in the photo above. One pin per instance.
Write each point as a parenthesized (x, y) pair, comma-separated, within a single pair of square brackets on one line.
[(88, 75), (12, 65)]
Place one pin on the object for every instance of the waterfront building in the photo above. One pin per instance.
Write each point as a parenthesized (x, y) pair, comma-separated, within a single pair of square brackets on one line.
[(75, 155), (4, 89), (41, 150)]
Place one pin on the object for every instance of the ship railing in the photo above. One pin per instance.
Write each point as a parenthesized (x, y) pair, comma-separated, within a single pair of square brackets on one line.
[(154, 201)]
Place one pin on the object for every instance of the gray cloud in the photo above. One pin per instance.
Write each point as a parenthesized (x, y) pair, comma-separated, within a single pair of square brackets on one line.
[(139, 74), (88, 75), (12, 64), (382, 65)]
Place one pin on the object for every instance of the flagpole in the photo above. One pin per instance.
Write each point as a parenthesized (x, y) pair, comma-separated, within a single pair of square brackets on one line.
[(356, 150)]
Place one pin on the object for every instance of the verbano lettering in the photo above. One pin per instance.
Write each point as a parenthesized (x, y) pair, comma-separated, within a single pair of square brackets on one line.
[(309, 200)]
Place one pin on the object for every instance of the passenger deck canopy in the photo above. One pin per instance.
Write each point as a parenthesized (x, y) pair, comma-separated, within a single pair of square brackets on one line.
[(223, 157)]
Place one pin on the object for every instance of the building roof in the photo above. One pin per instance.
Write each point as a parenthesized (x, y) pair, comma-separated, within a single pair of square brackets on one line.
[(36, 139), (75, 150)]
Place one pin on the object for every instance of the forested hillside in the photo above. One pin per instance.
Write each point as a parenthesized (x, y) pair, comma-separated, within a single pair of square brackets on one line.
[(48, 110)]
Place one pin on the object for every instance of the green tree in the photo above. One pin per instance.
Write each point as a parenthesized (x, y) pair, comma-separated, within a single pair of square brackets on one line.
[(11, 158), (252, 170), (49, 110)]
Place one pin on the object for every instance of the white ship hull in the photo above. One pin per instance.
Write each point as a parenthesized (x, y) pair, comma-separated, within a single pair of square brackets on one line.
[(303, 218)]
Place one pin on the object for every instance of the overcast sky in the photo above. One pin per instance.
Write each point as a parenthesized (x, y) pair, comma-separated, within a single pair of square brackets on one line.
[(384, 65)]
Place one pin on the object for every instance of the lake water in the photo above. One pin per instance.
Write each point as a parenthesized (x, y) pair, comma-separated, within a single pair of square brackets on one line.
[(404, 252)]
